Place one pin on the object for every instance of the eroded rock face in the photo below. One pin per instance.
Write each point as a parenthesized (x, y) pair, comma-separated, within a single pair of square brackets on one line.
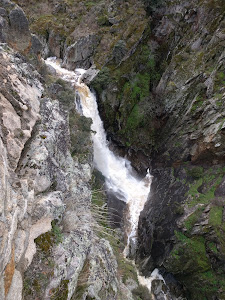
[(181, 228), (80, 54), (14, 28), (20, 102), (48, 235)]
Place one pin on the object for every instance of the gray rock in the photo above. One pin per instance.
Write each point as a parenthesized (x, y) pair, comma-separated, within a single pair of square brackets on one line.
[(37, 46), (3, 12), (70, 221), (15, 291), (3, 27), (220, 191), (89, 75), (18, 21), (119, 51), (196, 45), (79, 55), (56, 44), (51, 70), (59, 8), (14, 29), (7, 4)]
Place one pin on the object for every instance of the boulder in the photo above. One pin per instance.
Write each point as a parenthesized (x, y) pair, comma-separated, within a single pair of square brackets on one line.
[(36, 45), (80, 54), (14, 27), (89, 75), (19, 34)]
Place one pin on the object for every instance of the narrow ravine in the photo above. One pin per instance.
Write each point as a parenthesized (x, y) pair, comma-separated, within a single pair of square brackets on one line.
[(118, 172)]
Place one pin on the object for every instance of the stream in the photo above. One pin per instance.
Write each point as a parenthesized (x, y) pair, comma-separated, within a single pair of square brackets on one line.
[(118, 172)]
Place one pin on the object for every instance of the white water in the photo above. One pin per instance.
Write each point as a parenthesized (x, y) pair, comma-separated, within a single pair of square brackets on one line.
[(117, 170)]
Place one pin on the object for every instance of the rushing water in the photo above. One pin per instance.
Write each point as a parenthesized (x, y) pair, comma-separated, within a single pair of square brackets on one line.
[(117, 171)]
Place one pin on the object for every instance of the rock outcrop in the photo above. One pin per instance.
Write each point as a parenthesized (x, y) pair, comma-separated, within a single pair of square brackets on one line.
[(49, 242), (14, 28), (163, 105), (52, 245), (181, 229)]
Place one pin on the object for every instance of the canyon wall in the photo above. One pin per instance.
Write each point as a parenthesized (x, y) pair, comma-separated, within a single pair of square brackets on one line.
[(52, 245), (160, 88)]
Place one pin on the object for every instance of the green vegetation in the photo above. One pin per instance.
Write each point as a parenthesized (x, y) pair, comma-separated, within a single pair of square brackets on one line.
[(138, 88), (90, 4), (196, 256), (45, 241), (103, 21), (192, 219), (142, 293), (82, 281), (196, 172), (61, 292), (80, 135), (188, 255), (135, 118), (37, 277), (209, 179), (132, 81), (197, 104), (102, 80), (212, 247), (219, 81), (215, 216)]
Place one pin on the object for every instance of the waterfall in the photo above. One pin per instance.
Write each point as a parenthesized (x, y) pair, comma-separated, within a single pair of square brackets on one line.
[(117, 171)]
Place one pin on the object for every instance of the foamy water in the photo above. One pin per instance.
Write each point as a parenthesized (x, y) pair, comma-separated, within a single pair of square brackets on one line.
[(117, 171)]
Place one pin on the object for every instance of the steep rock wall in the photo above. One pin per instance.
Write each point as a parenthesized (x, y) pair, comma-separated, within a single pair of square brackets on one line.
[(181, 229), (163, 105), (52, 247)]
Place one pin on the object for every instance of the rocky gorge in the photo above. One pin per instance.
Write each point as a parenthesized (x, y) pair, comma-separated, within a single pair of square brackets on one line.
[(158, 69)]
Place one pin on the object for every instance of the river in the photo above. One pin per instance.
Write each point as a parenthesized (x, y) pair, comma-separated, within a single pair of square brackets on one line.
[(118, 172)]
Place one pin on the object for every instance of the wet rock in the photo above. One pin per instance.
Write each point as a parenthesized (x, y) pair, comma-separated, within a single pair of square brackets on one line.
[(51, 70), (89, 75), (157, 289), (156, 233), (116, 209)]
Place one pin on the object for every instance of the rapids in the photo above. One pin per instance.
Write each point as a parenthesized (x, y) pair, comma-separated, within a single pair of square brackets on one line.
[(118, 172)]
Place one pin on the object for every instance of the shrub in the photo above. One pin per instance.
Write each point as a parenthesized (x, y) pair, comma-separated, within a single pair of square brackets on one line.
[(196, 172), (142, 293), (103, 21)]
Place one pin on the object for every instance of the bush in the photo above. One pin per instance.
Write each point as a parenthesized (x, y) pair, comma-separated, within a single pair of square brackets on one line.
[(196, 172), (103, 21), (142, 293)]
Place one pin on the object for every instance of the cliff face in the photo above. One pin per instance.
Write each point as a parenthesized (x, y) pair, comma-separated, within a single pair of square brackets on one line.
[(51, 243), (163, 104), (181, 229)]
